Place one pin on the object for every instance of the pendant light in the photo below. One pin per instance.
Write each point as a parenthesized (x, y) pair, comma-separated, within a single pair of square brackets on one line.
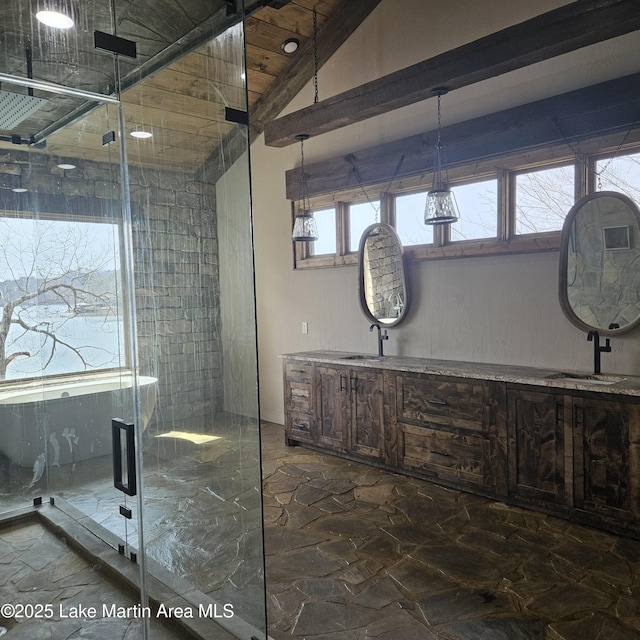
[(441, 207), (58, 14), (304, 226)]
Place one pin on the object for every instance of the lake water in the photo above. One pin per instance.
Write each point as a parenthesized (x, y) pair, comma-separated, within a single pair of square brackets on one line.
[(100, 339)]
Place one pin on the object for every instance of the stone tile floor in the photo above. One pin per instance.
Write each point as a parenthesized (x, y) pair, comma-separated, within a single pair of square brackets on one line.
[(37, 567), (354, 552)]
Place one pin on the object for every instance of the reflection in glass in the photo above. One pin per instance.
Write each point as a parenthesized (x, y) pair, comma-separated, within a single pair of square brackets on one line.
[(382, 283), (600, 263)]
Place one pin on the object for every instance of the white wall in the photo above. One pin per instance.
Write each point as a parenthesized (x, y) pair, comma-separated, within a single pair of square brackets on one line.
[(490, 309)]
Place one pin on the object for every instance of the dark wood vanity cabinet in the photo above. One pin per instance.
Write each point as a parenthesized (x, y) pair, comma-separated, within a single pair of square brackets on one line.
[(536, 431), (338, 408), (606, 460), (350, 410), (298, 402), (446, 429), (579, 452), (570, 452)]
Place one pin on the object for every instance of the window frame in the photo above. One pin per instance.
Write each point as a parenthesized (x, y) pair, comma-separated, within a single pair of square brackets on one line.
[(504, 170)]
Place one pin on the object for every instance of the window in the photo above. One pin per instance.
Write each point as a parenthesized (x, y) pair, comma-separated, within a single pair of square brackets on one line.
[(619, 174), (410, 220), (512, 209), (327, 239), (361, 215), (478, 205), (64, 278), (543, 199)]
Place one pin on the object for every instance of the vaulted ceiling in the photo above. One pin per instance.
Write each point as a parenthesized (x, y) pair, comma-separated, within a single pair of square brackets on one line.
[(179, 83)]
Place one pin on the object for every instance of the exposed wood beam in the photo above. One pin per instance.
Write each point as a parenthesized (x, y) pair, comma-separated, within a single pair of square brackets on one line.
[(331, 35), (338, 26), (551, 34), (565, 119)]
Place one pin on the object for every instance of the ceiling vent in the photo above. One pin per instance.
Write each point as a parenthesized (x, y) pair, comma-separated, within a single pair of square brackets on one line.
[(16, 107)]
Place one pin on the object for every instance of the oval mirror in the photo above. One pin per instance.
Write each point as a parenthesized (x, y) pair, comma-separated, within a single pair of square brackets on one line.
[(382, 283), (599, 283)]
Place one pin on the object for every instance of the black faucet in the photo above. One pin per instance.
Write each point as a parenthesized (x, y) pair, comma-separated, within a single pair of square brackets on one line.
[(597, 349), (381, 337)]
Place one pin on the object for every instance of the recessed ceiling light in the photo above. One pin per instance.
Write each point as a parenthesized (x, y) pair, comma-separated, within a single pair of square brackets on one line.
[(55, 19), (290, 45), (66, 166), (19, 190), (141, 134)]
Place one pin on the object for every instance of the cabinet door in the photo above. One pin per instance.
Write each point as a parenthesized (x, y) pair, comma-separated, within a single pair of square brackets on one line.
[(605, 458), (536, 445), (367, 414), (332, 398)]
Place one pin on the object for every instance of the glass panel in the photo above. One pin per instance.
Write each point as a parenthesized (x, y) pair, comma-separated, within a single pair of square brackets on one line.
[(410, 220), (66, 360), (620, 174), (360, 217), (168, 345), (196, 328), (326, 222), (543, 199), (478, 206)]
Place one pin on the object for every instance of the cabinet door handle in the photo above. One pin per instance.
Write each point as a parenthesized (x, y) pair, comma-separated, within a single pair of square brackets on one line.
[(301, 426), (353, 383), (578, 417), (559, 413), (343, 380), (440, 403), (439, 453)]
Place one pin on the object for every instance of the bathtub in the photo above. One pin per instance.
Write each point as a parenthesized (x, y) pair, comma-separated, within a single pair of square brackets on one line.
[(66, 420)]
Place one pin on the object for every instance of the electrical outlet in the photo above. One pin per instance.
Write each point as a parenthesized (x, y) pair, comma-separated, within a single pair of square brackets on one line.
[(305, 327)]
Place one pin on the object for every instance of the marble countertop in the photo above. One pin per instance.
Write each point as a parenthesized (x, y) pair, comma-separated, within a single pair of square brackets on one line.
[(558, 379)]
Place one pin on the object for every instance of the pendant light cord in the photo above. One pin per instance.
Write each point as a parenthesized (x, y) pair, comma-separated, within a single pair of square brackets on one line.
[(356, 173), (580, 157), (315, 55)]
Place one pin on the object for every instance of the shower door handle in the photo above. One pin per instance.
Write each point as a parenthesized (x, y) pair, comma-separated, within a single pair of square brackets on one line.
[(124, 479)]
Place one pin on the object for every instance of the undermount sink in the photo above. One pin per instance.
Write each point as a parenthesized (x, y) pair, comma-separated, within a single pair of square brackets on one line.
[(361, 357), (585, 378)]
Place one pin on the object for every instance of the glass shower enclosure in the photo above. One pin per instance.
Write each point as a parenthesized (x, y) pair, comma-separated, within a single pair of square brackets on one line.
[(128, 367)]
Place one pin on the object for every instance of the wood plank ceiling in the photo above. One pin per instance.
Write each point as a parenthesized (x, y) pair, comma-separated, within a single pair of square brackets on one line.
[(184, 100)]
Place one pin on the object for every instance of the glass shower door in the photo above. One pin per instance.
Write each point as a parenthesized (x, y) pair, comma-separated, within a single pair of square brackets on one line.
[(67, 346), (139, 307)]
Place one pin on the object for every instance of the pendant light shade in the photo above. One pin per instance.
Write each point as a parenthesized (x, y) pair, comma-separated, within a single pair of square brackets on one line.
[(58, 14), (305, 228), (441, 206)]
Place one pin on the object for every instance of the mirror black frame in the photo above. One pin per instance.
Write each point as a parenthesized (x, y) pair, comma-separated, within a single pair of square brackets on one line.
[(565, 239), (361, 283)]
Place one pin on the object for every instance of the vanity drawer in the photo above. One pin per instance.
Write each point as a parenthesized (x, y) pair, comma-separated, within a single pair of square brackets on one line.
[(447, 455), (441, 402), (298, 396), (299, 427), (299, 371)]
